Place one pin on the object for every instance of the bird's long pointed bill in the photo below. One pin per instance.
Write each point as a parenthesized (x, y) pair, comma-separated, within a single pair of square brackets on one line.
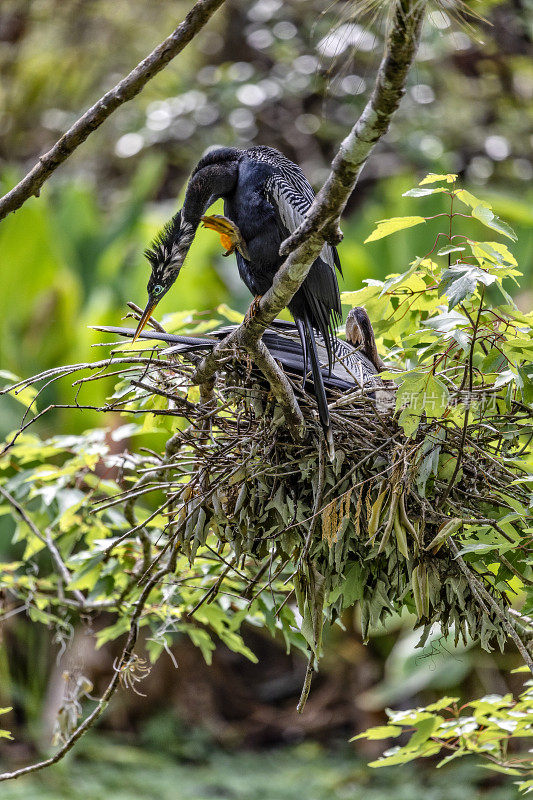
[(147, 313)]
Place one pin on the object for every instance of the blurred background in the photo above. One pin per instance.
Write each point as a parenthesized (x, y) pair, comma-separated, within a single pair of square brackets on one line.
[(293, 75)]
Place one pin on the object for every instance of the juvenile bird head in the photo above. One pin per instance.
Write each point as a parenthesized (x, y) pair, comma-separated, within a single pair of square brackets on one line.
[(166, 255), (360, 333)]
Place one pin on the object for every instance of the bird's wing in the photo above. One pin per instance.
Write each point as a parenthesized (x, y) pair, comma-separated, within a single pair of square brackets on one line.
[(291, 195), (351, 363), (291, 207)]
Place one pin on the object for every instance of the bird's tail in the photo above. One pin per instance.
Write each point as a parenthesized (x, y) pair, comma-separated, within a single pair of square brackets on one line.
[(310, 350)]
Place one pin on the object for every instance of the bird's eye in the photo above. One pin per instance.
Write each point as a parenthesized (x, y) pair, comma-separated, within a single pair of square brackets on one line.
[(157, 289)]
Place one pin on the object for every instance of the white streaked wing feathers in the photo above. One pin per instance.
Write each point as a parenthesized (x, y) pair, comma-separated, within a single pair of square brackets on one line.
[(292, 207), (350, 364)]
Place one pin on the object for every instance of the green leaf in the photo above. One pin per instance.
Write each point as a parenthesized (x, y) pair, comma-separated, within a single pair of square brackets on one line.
[(201, 639), (429, 461), (394, 280), (449, 249), (420, 393), (460, 281), (3, 733), (501, 768), (402, 755), (424, 192), (458, 754), (112, 632), (33, 543), (353, 587), (387, 226), (488, 217), (479, 547), (518, 348), (379, 732), (88, 574), (444, 702), (424, 730), (434, 178)]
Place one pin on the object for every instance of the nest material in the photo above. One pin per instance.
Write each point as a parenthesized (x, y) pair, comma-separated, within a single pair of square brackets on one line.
[(355, 529), (374, 526)]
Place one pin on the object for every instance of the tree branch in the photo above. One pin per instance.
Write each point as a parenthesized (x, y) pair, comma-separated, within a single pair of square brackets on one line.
[(306, 242), (125, 90), (281, 389), (112, 686), (486, 600), (48, 542)]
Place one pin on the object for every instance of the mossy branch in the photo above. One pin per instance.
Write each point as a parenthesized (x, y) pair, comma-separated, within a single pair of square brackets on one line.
[(125, 90)]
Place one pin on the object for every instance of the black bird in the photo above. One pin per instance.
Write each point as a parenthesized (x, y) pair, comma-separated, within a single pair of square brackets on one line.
[(357, 363), (266, 197)]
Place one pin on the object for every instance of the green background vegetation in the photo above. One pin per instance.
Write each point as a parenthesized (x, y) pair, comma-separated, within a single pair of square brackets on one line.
[(264, 72)]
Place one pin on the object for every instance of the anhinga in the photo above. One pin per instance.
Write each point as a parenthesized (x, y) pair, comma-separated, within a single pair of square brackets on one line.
[(266, 197), (357, 362)]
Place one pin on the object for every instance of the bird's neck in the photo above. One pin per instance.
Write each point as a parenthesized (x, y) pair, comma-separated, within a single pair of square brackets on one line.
[(207, 185)]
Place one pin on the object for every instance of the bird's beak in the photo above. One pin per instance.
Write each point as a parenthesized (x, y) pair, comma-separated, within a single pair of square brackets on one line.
[(151, 304)]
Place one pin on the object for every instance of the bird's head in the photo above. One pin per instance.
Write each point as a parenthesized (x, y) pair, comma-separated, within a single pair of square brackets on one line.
[(354, 327), (360, 333), (166, 255)]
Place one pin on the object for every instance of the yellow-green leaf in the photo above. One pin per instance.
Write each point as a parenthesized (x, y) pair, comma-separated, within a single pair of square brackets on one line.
[(387, 226), (470, 200), (496, 252), (233, 316), (379, 732), (444, 702), (485, 215), (434, 178), (25, 395)]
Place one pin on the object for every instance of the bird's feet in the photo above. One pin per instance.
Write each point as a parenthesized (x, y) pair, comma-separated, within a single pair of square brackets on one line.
[(230, 235), (254, 308)]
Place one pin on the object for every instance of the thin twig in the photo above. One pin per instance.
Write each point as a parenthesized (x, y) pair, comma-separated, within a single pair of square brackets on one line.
[(125, 90), (48, 542), (106, 696)]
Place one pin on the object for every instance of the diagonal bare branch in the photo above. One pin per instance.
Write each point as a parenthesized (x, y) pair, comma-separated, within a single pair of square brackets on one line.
[(110, 690), (125, 90)]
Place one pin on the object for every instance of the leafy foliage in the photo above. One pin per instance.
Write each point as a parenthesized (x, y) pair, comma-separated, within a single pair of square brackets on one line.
[(484, 727), (3, 733), (230, 523), (110, 767)]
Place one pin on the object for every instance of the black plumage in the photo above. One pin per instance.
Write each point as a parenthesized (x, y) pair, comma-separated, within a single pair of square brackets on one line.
[(353, 367), (266, 196)]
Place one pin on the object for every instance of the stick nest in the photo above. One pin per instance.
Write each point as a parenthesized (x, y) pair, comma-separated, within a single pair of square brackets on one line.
[(376, 525), (372, 526)]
